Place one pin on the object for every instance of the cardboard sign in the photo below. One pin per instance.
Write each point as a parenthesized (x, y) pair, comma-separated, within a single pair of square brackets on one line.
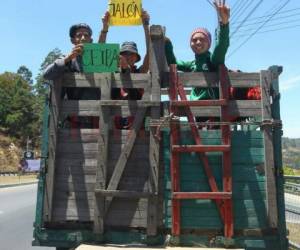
[(125, 12), (100, 57)]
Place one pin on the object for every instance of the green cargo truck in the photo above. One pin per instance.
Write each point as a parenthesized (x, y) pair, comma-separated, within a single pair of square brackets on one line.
[(162, 179)]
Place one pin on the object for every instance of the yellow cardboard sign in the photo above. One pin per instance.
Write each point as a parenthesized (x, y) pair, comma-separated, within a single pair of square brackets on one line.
[(125, 12)]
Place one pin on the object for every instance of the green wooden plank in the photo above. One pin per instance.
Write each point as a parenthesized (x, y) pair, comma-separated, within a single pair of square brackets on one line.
[(238, 204), (253, 157), (248, 182), (237, 186), (197, 171), (217, 134), (201, 177), (213, 212), (73, 238), (215, 223)]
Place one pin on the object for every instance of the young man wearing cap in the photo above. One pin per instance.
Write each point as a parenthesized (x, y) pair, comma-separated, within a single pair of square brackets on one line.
[(79, 34), (200, 43), (129, 56)]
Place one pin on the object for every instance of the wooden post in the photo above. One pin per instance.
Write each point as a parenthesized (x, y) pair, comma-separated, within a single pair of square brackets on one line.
[(55, 97), (272, 213), (101, 171), (158, 66), (275, 107)]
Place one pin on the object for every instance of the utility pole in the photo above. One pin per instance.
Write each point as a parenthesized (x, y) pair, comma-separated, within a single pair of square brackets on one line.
[(27, 144)]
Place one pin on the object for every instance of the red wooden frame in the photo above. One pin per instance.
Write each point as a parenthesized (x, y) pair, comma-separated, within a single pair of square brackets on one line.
[(222, 199)]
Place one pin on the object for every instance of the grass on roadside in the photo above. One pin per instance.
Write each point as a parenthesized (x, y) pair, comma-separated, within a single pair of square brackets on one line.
[(17, 179), (294, 232), (297, 172)]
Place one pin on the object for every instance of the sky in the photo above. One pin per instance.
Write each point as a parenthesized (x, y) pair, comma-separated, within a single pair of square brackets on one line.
[(32, 28)]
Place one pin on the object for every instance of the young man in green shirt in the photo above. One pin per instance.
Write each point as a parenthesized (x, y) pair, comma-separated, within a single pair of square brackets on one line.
[(205, 61)]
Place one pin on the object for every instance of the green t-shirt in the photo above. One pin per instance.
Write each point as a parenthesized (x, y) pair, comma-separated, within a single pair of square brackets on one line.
[(206, 62)]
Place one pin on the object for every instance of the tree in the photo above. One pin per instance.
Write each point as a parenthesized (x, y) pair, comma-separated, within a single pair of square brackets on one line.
[(25, 73), (288, 170), (40, 87), (17, 106), (21, 102)]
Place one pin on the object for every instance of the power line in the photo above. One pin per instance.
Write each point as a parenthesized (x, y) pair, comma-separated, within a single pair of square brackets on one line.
[(254, 19), (235, 5), (268, 31), (278, 18), (259, 28), (240, 5), (210, 3), (246, 18), (246, 7), (240, 11), (271, 25)]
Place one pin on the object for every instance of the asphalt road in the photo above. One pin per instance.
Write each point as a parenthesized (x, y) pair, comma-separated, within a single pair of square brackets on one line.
[(17, 211), (292, 206)]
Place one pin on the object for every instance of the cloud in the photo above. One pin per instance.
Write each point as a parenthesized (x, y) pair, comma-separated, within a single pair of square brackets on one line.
[(290, 83)]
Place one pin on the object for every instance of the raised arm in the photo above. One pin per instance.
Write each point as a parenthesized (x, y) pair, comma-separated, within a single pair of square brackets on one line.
[(222, 39), (60, 65), (105, 27), (146, 19)]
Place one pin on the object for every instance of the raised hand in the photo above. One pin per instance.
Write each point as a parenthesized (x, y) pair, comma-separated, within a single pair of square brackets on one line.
[(145, 17), (223, 11), (76, 51), (105, 20), (123, 63)]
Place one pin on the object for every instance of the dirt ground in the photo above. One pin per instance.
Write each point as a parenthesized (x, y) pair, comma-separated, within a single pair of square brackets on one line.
[(4, 180)]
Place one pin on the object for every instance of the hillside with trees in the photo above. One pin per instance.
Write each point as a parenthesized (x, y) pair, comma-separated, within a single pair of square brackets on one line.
[(21, 106), (291, 152)]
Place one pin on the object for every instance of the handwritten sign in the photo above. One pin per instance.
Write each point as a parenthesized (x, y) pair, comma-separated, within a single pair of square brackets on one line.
[(100, 57), (125, 12)]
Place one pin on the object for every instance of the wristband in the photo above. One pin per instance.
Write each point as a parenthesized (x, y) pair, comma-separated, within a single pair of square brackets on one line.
[(146, 22)]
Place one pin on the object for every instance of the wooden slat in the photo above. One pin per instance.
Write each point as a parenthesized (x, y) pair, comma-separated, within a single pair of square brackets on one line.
[(114, 181), (201, 195), (158, 65), (132, 103), (96, 80), (92, 107), (66, 184), (195, 79), (78, 135), (93, 155), (123, 194), (272, 211), (220, 102), (240, 108), (88, 167), (77, 147), (114, 218), (101, 171), (116, 149), (139, 80), (53, 140), (80, 108), (200, 148)]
